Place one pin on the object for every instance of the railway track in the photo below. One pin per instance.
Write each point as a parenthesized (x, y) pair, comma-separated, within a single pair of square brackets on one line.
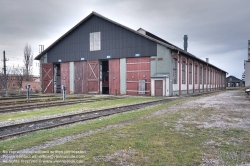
[(25, 101), (24, 97), (13, 108), (26, 127)]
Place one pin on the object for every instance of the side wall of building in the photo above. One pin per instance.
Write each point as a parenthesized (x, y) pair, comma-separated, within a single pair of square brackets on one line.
[(34, 86), (247, 73), (162, 64), (194, 76)]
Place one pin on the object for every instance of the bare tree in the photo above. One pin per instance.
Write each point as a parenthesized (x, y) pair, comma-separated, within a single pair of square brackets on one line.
[(14, 78), (28, 61)]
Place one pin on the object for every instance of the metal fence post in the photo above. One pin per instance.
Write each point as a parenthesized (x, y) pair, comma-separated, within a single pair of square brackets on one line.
[(64, 92), (28, 91)]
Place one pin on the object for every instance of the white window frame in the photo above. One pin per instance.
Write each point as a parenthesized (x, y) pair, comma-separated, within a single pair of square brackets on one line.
[(183, 65), (95, 41), (175, 71)]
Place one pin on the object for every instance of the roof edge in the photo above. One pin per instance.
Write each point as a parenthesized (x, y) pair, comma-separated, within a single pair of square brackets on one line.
[(173, 47)]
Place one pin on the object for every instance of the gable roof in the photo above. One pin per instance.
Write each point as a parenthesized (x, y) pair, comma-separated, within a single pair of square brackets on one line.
[(85, 19), (234, 79), (152, 38)]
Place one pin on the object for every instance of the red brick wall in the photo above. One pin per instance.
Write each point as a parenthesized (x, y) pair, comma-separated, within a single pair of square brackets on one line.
[(33, 85)]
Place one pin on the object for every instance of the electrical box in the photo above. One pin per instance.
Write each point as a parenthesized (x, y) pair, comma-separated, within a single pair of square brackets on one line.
[(28, 86), (64, 87)]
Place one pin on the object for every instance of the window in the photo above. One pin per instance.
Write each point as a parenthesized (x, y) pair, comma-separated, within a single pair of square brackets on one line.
[(201, 75), (183, 72), (204, 76), (174, 71), (196, 74), (95, 41), (208, 76), (190, 73), (211, 76)]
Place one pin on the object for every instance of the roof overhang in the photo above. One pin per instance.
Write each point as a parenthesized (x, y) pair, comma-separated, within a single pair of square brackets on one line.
[(160, 75), (171, 47)]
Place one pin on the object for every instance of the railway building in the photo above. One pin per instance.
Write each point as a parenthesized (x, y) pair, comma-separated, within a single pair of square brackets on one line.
[(247, 67), (233, 81), (101, 56)]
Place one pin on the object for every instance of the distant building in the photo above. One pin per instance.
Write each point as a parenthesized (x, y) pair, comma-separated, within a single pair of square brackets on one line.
[(247, 67), (232, 81), (12, 81), (15, 81), (34, 84)]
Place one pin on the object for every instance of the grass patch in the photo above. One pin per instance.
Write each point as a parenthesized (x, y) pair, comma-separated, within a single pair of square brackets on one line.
[(73, 107), (148, 141), (144, 142), (40, 137)]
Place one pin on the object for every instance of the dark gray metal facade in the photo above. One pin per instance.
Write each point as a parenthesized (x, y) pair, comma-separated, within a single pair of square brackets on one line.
[(116, 42)]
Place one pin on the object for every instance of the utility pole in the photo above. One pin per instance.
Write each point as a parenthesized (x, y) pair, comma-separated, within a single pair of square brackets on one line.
[(4, 71)]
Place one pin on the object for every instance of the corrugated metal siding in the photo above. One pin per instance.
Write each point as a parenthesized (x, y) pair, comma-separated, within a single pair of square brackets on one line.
[(65, 75), (138, 69), (47, 77), (116, 42), (114, 76)]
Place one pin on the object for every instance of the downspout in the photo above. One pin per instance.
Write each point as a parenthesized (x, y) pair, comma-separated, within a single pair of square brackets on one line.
[(193, 77), (165, 86), (199, 75), (179, 74), (187, 76)]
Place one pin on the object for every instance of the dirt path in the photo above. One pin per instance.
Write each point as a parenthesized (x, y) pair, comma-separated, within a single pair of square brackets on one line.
[(226, 116), (227, 110)]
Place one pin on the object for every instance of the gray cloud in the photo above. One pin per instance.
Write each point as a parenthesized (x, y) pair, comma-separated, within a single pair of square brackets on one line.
[(218, 30)]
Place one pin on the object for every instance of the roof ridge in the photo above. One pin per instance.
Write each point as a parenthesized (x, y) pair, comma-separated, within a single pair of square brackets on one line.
[(132, 30)]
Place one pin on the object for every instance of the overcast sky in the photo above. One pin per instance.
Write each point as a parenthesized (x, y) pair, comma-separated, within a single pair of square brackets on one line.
[(218, 30)]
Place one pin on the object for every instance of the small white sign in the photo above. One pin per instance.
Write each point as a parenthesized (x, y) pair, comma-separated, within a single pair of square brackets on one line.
[(82, 59), (137, 54), (108, 56), (59, 60)]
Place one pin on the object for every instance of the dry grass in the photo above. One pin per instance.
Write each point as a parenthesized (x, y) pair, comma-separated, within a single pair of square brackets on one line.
[(212, 130)]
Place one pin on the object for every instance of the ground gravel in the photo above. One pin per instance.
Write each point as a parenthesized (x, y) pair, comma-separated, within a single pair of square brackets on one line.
[(231, 111), (8, 157)]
